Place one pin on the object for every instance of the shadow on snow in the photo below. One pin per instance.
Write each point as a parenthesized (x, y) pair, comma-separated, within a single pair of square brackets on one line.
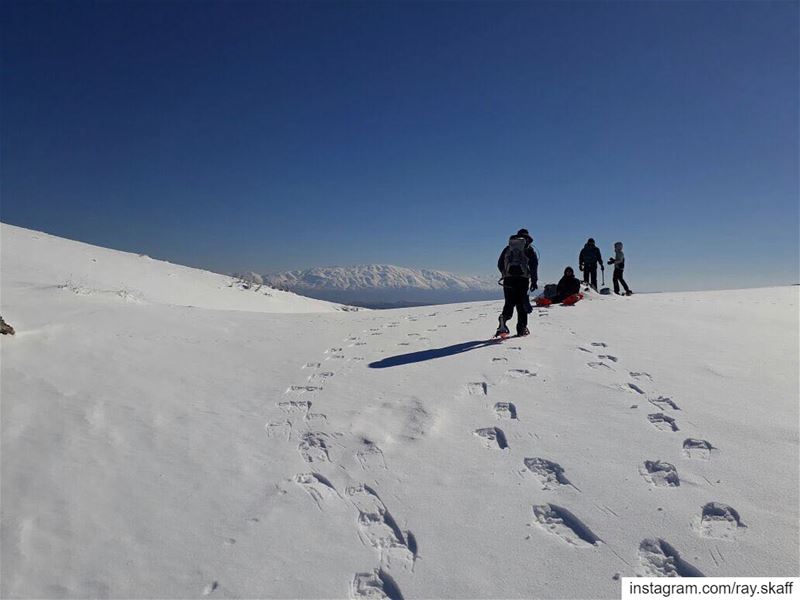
[(423, 355)]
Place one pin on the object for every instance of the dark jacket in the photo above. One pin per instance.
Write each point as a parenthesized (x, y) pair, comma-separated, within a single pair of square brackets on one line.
[(533, 262), (568, 285), (590, 257)]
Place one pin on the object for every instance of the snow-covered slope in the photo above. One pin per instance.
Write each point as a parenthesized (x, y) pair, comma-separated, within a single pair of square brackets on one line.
[(156, 450), (31, 259), (384, 283)]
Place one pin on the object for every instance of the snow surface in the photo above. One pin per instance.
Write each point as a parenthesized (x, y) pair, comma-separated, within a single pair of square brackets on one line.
[(55, 266), (152, 449)]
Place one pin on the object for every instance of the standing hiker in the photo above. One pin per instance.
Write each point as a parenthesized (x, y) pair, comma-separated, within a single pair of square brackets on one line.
[(588, 260), (619, 265), (519, 267)]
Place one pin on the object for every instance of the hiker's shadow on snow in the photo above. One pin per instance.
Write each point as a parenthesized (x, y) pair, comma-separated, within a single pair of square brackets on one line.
[(423, 355)]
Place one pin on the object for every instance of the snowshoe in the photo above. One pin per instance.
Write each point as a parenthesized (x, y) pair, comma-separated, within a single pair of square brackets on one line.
[(502, 330), (523, 332)]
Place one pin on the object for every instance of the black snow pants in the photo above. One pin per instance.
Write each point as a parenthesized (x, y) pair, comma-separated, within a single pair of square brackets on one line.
[(515, 290), (618, 279), (590, 275)]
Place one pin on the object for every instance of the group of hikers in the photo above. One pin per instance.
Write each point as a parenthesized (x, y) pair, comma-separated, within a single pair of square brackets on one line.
[(519, 268)]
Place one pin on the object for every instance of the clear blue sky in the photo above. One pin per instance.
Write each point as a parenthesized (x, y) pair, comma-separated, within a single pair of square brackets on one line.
[(270, 136)]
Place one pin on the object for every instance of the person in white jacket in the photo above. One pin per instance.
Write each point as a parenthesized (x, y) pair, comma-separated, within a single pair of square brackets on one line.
[(619, 266)]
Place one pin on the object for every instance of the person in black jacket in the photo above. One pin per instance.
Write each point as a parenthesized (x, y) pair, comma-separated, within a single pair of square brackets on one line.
[(519, 267), (568, 285), (588, 260)]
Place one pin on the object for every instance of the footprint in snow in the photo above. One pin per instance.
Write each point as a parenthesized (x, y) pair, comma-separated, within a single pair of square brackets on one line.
[(492, 438), (598, 365), (377, 528), (302, 389), (295, 406), (660, 473), (321, 377), (697, 449), (662, 422), (479, 388), (717, 520), (370, 456), (315, 419), (505, 410), (209, 588), (375, 585), (318, 487), (640, 375), (608, 357), (562, 523), (549, 474), (635, 388), (279, 429), (658, 559), (520, 373), (663, 403), (500, 359), (600, 344), (314, 447), (312, 365)]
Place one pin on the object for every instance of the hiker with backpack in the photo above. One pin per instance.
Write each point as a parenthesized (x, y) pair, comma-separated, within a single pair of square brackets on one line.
[(588, 260), (519, 267), (619, 266), (568, 291)]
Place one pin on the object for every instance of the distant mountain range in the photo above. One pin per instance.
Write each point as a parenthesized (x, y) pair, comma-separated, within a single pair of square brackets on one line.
[(382, 286)]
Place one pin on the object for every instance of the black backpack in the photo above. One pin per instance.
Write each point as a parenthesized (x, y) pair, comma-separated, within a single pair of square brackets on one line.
[(550, 290)]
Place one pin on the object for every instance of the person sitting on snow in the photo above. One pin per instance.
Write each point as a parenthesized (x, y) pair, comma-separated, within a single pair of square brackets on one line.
[(568, 285), (567, 291)]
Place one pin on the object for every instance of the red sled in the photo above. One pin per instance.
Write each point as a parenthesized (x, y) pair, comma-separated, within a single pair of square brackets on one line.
[(570, 300)]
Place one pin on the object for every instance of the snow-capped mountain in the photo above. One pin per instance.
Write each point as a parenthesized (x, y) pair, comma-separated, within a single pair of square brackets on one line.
[(377, 284)]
